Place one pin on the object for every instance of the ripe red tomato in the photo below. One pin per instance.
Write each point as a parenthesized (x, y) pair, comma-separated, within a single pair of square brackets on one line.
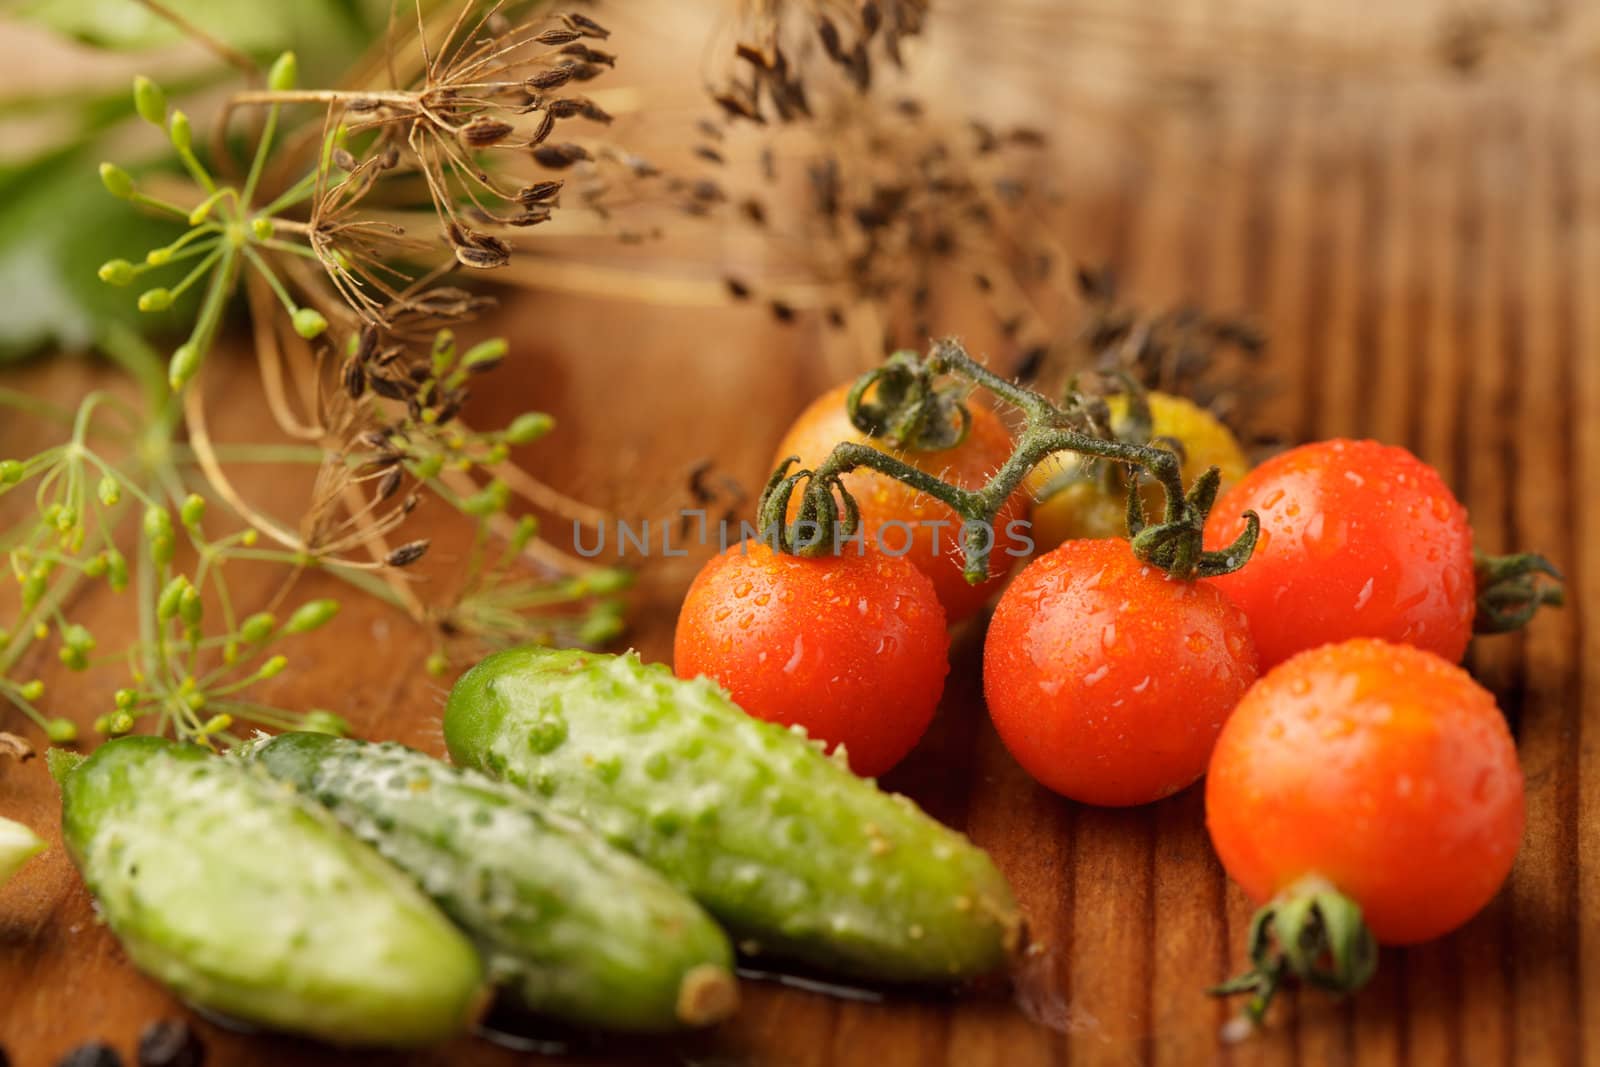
[(936, 550), (852, 647), (1381, 768), (1358, 539), (1107, 680)]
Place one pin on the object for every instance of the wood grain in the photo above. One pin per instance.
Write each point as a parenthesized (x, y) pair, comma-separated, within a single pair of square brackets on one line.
[(1423, 248)]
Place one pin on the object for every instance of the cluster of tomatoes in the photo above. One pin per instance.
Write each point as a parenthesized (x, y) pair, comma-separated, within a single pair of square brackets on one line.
[(1317, 684)]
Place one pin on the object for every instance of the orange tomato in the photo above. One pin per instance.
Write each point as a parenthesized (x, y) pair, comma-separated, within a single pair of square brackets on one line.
[(1379, 768), (935, 550), (1107, 680), (852, 647)]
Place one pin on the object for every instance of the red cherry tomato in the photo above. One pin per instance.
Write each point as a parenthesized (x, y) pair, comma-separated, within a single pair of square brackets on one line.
[(935, 549), (1382, 769), (852, 647), (1107, 680), (1358, 539)]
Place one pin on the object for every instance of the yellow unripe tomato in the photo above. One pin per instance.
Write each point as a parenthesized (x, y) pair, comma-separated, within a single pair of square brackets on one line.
[(1084, 508)]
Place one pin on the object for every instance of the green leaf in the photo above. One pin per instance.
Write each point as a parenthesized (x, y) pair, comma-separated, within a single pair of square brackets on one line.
[(318, 29), (61, 225)]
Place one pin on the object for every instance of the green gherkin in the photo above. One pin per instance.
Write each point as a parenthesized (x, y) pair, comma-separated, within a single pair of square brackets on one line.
[(797, 856), (225, 886), (570, 927)]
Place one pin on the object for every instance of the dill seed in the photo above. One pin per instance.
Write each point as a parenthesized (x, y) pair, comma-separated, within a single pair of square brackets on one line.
[(709, 128), (355, 379), (739, 108), (531, 217), (828, 34), (556, 156), (586, 71), (781, 311), (753, 55), (754, 211), (871, 17), (407, 554), (590, 55), (737, 289), (585, 25), (698, 489), (389, 388), (539, 192), (707, 191), (344, 160), (483, 131), (554, 78), (709, 154), (555, 36), (564, 107), (546, 125)]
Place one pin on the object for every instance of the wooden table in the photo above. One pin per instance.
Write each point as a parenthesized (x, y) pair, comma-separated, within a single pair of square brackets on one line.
[(1414, 215)]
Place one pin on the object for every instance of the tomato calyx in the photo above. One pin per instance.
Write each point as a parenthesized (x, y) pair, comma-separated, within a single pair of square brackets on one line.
[(909, 409), (1512, 589), (1310, 933), (827, 512)]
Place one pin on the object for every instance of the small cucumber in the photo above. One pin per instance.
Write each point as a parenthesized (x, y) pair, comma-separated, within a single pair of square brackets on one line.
[(797, 856), (224, 885), (572, 927)]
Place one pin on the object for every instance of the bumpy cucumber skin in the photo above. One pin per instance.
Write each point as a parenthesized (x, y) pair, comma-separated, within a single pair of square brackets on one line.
[(574, 928), (796, 855), (243, 899)]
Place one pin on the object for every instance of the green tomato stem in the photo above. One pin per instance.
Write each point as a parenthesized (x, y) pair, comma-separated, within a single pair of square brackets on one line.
[(1174, 545), (1311, 933)]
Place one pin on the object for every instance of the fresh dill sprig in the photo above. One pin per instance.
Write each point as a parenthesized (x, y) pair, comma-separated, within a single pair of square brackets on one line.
[(351, 310)]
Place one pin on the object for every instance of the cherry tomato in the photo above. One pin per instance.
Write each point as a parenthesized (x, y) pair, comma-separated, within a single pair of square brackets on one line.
[(1085, 507), (1380, 768), (1107, 680), (935, 549), (852, 647), (1358, 539)]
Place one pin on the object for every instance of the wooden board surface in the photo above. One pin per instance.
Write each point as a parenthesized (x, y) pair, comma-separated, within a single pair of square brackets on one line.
[(1423, 247)]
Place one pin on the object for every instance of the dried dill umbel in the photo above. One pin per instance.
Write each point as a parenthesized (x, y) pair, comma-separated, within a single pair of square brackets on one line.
[(883, 207), (341, 229), (1211, 358)]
